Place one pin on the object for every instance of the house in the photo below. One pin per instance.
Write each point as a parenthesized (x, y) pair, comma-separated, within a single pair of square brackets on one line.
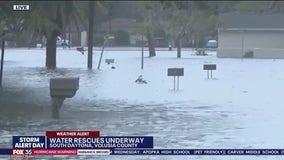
[(260, 34), (117, 24), (137, 39), (126, 25)]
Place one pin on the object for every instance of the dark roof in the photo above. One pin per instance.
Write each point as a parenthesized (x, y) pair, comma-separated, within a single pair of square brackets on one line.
[(117, 24), (252, 20)]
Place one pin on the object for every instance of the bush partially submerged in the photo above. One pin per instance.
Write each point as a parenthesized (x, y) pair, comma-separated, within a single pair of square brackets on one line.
[(248, 54), (200, 52)]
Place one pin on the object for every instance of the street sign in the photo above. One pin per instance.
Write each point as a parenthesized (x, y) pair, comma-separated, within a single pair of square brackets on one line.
[(108, 61), (209, 67), (175, 71)]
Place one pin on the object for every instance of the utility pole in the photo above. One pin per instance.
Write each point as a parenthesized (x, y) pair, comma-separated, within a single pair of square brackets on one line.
[(2, 61), (142, 54), (90, 34)]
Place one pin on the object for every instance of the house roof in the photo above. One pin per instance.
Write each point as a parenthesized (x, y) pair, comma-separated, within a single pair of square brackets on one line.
[(252, 21), (117, 24)]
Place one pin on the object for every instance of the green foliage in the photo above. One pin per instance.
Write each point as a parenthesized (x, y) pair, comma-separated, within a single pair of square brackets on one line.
[(152, 12), (121, 38), (49, 17), (98, 40), (200, 52), (259, 6), (248, 54), (11, 20), (252, 6), (194, 20), (178, 23), (2, 25), (138, 28)]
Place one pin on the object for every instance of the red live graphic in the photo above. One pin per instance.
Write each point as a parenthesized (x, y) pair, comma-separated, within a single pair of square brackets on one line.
[(72, 134)]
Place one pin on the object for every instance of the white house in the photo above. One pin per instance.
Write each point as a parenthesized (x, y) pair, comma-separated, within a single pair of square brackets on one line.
[(263, 34)]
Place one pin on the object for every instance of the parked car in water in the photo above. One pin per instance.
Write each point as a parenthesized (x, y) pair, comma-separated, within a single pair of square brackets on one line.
[(212, 44)]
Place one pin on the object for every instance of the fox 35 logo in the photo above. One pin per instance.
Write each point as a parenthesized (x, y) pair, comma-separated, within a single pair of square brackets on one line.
[(22, 151)]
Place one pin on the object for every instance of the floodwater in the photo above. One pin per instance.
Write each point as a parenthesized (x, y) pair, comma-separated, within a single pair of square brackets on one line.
[(25, 110)]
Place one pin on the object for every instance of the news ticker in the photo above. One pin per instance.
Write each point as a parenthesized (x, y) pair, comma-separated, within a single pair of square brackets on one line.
[(104, 152), (91, 143)]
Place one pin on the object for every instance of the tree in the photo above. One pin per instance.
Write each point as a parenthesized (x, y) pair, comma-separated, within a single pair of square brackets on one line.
[(151, 11), (193, 19), (121, 38), (259, 6), (50, 18), (176, 22), (13, 21)]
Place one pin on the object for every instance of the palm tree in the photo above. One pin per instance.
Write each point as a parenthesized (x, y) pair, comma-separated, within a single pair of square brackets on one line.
[(49, 18)]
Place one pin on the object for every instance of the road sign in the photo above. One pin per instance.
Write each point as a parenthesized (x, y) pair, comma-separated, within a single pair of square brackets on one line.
[(176, 72), (108, 61), (209, 67)]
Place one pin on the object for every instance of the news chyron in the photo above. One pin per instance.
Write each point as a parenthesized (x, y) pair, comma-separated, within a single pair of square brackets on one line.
[(21, 7), (91, 143)]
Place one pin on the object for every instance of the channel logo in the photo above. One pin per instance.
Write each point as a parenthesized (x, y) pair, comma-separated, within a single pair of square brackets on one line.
[(22, 153)]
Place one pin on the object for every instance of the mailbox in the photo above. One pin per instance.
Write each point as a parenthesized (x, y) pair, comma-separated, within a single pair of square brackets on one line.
[(61, 88), (64, 87)]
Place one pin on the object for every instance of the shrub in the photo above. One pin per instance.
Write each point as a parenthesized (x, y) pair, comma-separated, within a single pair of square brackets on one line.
[(200, 52), (248, 54), (121, 38), (98, 40)]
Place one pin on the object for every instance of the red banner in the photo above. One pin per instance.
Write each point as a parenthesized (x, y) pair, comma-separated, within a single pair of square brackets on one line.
[(54, 152)]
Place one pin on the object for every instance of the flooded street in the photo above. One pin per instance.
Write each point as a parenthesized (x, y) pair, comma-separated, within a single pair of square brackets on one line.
[(182, 124), (26, 111), (174, 124)]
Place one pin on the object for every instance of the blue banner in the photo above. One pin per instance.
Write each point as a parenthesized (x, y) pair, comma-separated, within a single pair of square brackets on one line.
[(101, 142), (28, 141), (6, 151)]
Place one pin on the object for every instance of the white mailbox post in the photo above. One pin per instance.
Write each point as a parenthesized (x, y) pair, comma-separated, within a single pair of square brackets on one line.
[(61, 88)]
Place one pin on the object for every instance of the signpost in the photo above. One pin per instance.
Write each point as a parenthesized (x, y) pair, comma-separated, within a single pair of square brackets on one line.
[(209, 67), (109, 61), (99, 65), (142, 53), (176, 72)]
